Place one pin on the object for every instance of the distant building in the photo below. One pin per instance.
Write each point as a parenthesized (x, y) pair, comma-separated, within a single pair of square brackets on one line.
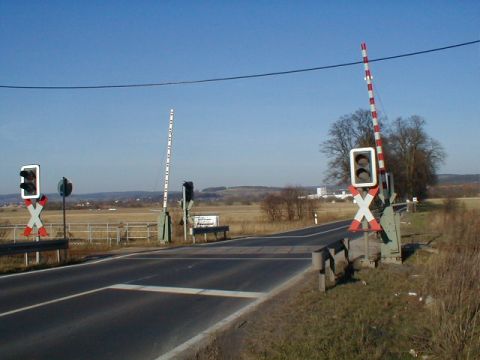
[(322, 193)]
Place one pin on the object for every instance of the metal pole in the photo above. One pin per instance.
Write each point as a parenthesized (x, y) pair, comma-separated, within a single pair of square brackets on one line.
[(184, 213), (37, 238), (365, 234), (63, 205)]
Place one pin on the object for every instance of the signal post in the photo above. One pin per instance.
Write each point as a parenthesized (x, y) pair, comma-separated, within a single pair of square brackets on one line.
[(364, 188), (187, 203), (30, 189), (391, 248)]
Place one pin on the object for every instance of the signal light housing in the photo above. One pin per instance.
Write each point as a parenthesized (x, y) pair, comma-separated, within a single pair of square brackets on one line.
[(188, 185), (30, 181), (363, 167)]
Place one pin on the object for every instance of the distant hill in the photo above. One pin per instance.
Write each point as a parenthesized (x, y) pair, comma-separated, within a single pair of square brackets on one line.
[(251, 193), (234, 193), (444, 179), (97, 197)]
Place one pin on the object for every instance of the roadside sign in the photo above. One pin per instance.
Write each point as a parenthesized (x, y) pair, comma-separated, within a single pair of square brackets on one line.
[(206, 221), (64, 187), (364, 210), (35, 216)]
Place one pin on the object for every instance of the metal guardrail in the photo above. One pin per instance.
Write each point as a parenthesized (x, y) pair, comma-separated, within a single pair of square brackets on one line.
[(331, 260), (33, 246), (210, 230), (88, 232)]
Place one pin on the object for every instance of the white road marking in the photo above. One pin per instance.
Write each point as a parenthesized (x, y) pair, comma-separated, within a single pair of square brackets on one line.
[(189, 291), (52, 301), (67, 267), (218, 258), (161, 289), (303, 236)]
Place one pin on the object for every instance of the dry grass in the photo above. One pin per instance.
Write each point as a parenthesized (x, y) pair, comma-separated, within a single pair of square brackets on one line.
[(452, 282), (369, 317), (471, 203)]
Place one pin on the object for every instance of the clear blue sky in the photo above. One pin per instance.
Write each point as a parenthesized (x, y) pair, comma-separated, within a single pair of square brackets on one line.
[(263, 131)]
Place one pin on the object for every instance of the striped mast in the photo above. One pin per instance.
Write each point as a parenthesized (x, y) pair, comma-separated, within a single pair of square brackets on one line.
[(167, 164), (376, 127)]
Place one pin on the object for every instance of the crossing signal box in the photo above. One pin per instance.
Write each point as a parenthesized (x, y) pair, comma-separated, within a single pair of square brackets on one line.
[(188, 185), (30, 181), (363, 168)]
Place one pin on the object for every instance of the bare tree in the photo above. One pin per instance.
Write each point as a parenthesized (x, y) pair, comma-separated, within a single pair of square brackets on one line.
[(348, 132), (271, 205), (415, 156), (290, 204), (294, 202), (411, 155)]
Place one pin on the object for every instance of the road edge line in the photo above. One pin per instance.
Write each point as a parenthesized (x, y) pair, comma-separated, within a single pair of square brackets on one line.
[(224, 323)]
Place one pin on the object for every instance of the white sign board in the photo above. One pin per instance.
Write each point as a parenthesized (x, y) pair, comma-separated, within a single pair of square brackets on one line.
[(206, 221)]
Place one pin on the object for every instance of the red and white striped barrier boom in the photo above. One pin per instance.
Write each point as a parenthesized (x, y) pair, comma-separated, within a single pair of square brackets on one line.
[(376, 126)]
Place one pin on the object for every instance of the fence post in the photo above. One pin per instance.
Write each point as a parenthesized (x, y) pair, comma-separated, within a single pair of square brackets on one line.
[(15, 234)]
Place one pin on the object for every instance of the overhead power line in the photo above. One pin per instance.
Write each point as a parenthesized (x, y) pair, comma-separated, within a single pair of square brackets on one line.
[(277, 73)]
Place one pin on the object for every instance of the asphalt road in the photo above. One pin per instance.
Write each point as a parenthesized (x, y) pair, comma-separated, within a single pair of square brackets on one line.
[(147, 305)]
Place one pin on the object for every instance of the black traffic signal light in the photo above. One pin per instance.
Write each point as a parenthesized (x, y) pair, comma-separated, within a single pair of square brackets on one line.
[(30, 181), (188, 185), (363, 167)]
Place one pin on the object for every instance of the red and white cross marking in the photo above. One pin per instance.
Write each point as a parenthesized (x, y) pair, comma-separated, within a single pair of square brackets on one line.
[(35, 216), (376, 126), (364, 211)]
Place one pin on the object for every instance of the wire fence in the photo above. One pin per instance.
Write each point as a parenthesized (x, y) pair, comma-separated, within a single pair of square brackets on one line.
[(88, 233)]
